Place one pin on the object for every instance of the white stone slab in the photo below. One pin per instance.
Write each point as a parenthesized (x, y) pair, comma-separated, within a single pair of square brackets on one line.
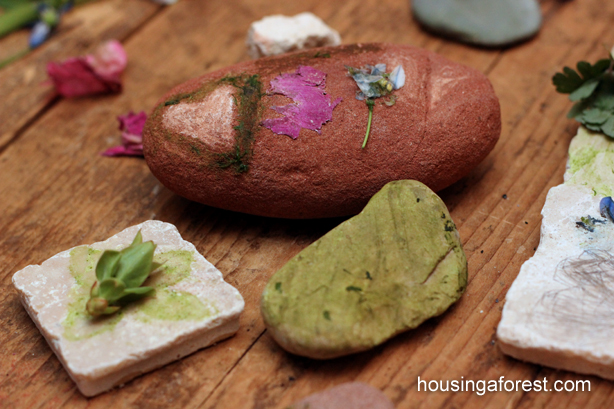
[(559, 310), (193, 308), (280, 34)]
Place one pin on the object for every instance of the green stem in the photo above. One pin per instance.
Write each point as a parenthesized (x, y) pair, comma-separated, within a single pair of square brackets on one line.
[(14, 58), (22, 15), (370, 104), (18, 17)]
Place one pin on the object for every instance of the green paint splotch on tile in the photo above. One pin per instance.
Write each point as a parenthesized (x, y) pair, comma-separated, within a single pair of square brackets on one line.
[(167, 304), (591, 162)]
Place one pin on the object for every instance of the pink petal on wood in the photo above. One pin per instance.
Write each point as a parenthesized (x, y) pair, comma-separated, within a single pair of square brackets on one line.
[(132, 123), (108, 61), (74, 78), (134, 150)]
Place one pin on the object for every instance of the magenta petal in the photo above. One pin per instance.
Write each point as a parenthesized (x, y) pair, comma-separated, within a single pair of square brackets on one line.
[(131, 139), (134, 150), (312, 108), (93, 74), (108, 61), (74, 78), (132, 123), (312, 75)]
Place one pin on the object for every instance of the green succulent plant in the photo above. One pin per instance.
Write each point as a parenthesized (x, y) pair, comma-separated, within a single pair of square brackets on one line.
[(119, 276)]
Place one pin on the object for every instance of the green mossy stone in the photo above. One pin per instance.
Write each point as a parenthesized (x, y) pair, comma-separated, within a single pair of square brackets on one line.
[(388, 269)]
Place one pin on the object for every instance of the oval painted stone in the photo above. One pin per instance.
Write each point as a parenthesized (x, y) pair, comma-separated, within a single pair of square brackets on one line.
[(207, 141), (382, 272), (491, 23)]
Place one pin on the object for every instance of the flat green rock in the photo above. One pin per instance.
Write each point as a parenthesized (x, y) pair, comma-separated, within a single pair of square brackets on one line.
[(388, 269)]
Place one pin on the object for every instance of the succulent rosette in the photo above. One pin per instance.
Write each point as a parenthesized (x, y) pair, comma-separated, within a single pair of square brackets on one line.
[(119, 276)]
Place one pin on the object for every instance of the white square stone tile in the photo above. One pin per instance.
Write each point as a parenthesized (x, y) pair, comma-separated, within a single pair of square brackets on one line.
[(193, 308)]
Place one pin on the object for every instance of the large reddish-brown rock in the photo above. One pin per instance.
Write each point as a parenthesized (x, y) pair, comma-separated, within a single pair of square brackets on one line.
[(205, 139)]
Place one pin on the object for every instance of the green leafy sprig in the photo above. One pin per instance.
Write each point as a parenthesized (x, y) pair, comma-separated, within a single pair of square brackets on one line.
[(592, 90), (119, 276)]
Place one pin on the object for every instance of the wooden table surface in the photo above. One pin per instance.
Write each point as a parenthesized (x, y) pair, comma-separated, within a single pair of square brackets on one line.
[(57, 192)]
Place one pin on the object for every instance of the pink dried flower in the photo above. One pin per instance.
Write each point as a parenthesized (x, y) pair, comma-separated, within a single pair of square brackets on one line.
[(109, 60), (131, 126), (312, 108), (93, 74)]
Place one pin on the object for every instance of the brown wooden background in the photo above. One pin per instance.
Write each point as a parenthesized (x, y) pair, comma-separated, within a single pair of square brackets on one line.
[(57, 192)]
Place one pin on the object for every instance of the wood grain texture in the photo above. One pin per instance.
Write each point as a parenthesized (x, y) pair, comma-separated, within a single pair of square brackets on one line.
[(57, 192), (26, 95)]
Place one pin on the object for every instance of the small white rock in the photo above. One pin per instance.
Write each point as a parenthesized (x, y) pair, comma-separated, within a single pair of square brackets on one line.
[(193, 308), (280, 34)]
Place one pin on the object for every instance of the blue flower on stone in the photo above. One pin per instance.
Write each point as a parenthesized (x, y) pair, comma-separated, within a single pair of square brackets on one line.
[(373, 82), (397, 77)]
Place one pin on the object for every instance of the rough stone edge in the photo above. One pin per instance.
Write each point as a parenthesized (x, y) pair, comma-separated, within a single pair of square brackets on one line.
[(92, 386), (556, 358)]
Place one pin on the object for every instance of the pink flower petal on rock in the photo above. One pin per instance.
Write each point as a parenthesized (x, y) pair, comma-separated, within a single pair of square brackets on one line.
[(312, 107), (108, 61)]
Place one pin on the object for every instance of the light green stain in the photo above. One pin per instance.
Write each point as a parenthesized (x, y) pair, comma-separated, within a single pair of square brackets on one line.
[(78, 324), (174, 306), (591, 162), (581, 158), (167, 304)]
